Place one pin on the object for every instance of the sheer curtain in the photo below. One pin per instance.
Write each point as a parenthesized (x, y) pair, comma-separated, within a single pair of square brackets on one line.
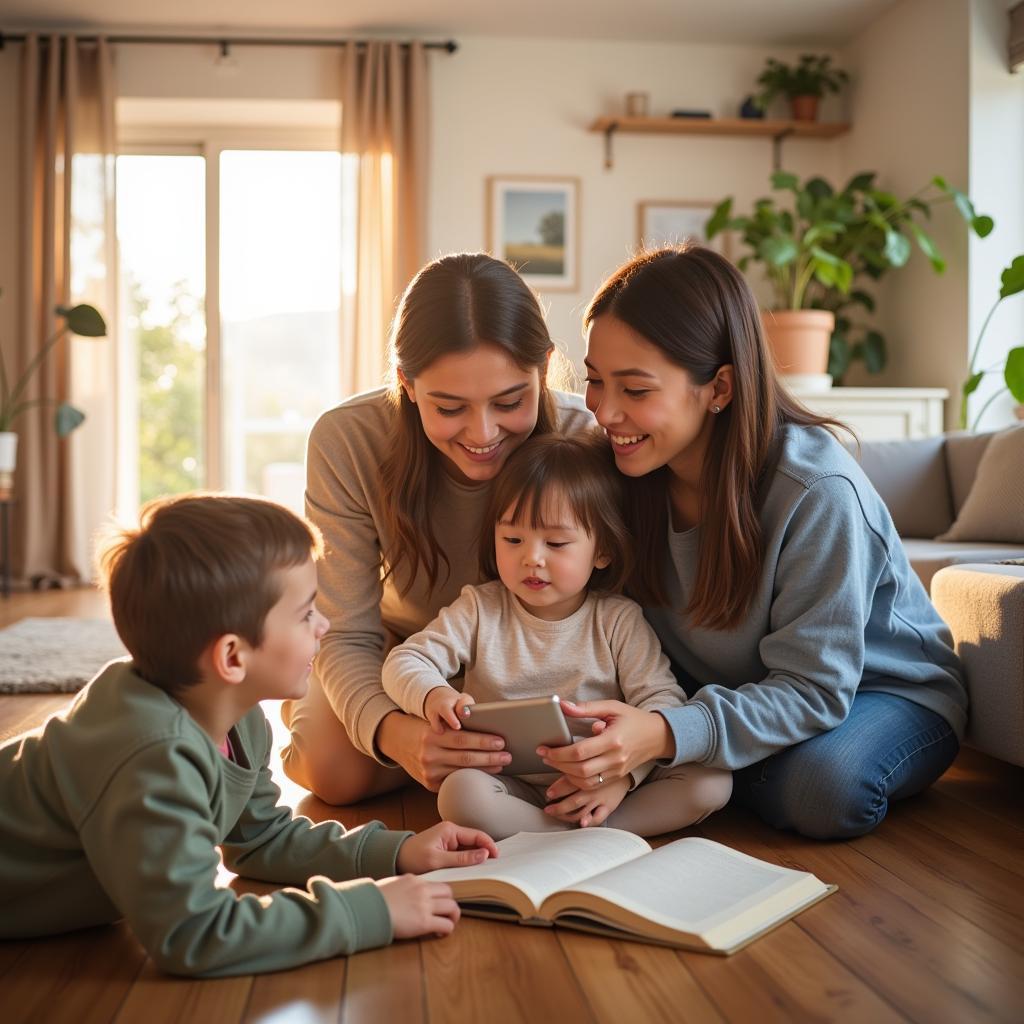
[(384, 126), (65, 488)]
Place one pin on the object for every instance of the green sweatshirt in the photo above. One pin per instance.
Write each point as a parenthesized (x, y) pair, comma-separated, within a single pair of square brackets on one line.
[(116, 807)]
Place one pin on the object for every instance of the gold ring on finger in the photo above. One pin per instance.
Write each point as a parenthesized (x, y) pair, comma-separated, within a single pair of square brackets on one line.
[(600, 779)]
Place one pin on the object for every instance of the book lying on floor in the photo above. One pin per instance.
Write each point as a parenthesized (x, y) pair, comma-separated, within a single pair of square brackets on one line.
[(692, 893)]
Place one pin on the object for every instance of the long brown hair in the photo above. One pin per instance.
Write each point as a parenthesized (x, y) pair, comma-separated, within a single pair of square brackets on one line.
[(452, 305), (580, 468), (695, 306)]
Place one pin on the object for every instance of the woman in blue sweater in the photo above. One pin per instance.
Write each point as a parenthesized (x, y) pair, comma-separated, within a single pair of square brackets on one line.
[(814, 663)]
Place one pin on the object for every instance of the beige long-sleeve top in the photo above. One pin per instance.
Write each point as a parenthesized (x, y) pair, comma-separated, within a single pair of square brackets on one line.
[(605, 650), (367, 614)]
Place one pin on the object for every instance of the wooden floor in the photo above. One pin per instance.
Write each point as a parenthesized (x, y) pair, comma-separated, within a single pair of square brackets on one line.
[(928, 925)]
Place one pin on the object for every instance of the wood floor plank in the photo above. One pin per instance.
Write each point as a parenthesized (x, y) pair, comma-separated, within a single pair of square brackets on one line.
[(24, 711), (922, 957), (158, 998), (387, 985), (493, 971), (10, 954), (786, 976), (80, 978), (632, 982), (306, 995), (984, 834), (419, 807), (986, 783), (988, 895)]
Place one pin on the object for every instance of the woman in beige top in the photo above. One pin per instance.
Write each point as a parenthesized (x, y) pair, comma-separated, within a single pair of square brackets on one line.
[(397, 481)]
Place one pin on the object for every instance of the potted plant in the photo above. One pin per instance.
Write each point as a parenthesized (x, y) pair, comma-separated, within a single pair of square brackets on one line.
[(83, 320), (818, 247), (1012, 279), (803, 85)]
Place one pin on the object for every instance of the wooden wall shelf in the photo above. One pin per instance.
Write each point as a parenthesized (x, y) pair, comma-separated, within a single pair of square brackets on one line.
[(735, 127)]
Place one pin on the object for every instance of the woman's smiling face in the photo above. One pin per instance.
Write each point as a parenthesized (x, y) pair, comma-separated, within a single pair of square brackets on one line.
[(476, 408), (651, 409)]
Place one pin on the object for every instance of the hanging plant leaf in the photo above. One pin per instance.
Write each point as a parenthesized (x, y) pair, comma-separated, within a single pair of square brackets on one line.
[(1014, 373), (1013, 278), (983, 225), (718, 220), (897, 248), (83, 320), (68, 418), (927, 246)]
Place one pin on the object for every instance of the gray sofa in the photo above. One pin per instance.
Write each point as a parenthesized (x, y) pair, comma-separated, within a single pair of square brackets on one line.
[(925, 484)]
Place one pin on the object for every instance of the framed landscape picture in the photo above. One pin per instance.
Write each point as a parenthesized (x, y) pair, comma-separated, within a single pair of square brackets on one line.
[(533, 223), (670, 222)]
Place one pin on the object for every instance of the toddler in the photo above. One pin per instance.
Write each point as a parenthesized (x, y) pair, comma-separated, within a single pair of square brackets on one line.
[(556, 550)]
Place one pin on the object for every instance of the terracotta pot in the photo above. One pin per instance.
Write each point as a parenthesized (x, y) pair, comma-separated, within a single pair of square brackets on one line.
[(805, 108), (799, 339), (1018, 411)]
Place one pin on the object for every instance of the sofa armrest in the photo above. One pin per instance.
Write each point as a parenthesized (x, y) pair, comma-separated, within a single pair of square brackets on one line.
[(983, 605)]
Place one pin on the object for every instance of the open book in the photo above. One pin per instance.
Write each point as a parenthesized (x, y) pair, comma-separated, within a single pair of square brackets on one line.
[(693, 893)]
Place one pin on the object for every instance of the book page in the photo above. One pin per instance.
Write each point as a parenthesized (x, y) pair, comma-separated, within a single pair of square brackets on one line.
[(541, 863), (694, 885)]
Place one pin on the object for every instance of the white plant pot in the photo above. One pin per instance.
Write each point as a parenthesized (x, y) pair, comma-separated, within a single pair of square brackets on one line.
[(8, 451)]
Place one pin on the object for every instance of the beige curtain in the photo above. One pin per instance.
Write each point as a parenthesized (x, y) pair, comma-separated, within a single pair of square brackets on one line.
[(65, 488), (384, 125)]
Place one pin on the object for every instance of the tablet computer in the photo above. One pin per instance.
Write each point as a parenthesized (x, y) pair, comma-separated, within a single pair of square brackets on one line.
[(524, 725)]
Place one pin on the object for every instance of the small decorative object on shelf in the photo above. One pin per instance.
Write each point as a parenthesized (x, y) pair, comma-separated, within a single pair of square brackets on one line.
[(803, 85), (692, 113), (750, 109), (638, 104)]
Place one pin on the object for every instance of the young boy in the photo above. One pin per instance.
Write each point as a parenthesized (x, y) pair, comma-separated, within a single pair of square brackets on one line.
[(116, 807)]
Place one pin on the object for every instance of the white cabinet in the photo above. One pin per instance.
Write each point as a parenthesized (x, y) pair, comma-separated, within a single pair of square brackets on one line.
[(880, 414)]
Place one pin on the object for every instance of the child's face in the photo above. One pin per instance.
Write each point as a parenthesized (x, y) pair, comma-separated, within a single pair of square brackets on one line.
[(279, 668), (547, 568)]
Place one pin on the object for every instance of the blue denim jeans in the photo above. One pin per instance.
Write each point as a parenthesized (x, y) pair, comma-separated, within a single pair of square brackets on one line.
[(839, 784)]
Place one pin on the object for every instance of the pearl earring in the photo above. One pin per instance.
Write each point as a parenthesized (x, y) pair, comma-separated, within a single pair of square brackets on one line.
[(716, 409)]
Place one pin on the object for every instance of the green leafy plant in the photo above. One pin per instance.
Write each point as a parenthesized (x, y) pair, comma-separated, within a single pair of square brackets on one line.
[(1012, 279), (812, 76), (83, 320), (823, 246)]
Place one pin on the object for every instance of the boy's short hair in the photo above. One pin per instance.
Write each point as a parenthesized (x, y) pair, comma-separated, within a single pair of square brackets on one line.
[(198, 566), (579, 467)]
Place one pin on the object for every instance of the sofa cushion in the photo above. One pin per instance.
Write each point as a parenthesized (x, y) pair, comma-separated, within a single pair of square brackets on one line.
[(994, 509), (910, 477), (927, 557), (963, 453)]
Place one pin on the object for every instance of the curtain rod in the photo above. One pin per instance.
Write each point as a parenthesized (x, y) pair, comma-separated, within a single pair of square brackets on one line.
[(448, 46)]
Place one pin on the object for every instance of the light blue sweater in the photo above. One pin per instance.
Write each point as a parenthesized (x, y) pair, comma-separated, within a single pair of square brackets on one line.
[(837, 609)]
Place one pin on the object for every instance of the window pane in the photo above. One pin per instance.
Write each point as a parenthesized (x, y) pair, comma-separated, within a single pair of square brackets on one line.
[(161, 230), (280, 293)]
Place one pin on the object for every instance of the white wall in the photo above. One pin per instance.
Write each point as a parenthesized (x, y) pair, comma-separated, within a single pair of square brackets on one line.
[(523, 106), (997, 180), (909, 109)]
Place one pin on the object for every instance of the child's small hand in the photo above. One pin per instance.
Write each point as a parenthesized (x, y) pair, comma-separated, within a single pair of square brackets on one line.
[(418, 907), (444, 846), (443, 706), (591, 807)]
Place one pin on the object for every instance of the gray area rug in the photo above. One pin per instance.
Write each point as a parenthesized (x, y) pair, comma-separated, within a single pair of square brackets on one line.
[(55, 655)]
